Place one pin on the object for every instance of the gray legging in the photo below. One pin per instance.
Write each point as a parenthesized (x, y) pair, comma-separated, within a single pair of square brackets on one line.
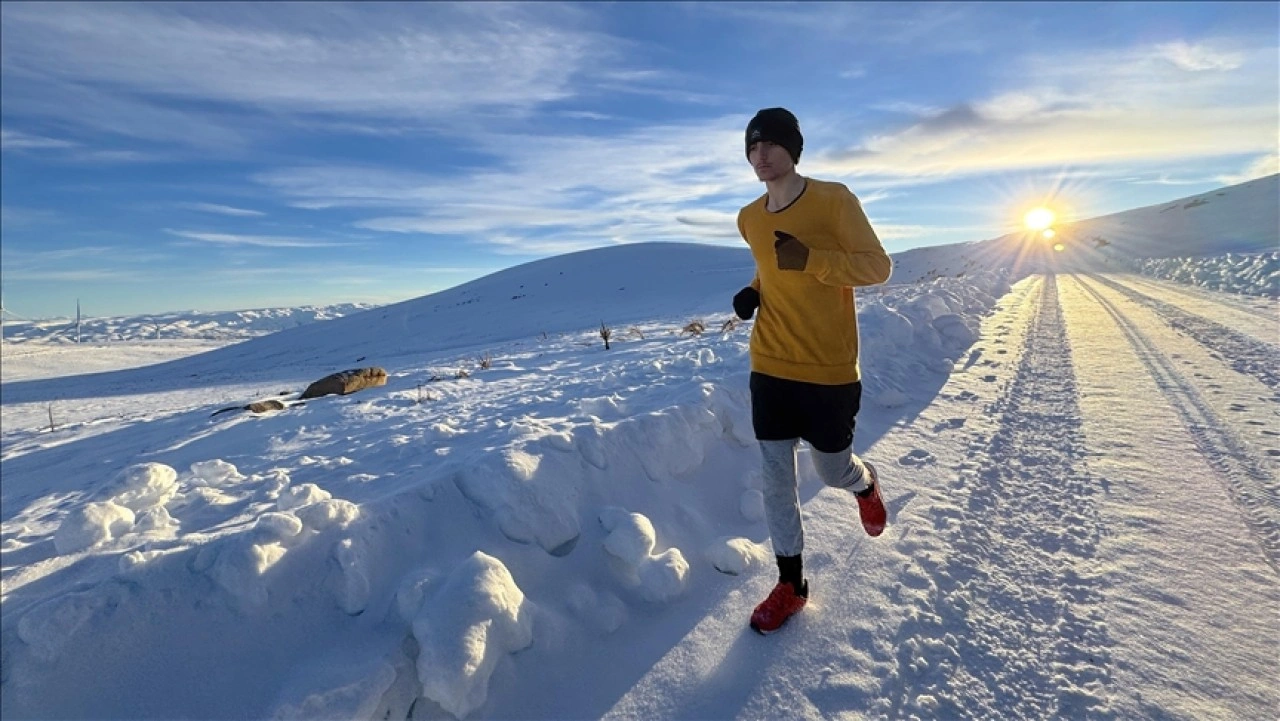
[(781, 488)]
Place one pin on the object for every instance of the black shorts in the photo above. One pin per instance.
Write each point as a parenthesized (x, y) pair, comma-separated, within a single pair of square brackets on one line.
[(821, 415)]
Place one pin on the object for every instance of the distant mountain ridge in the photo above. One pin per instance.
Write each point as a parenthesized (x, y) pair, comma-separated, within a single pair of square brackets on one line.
[(203, 325)]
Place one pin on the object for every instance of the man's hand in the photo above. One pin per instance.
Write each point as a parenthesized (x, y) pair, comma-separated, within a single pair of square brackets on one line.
[(746, 302), (792, 254)]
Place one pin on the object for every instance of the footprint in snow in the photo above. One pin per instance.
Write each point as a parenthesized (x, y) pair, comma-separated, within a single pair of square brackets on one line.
[(918, 457), (948, 425), (967, 396), (989, 379)]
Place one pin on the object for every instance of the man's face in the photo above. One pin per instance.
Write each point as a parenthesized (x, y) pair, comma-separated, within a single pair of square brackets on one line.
[(770, 160)]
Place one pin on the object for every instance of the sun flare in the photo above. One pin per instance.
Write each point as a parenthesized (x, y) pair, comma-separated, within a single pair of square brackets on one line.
[(1048, 233), (1038, 219)]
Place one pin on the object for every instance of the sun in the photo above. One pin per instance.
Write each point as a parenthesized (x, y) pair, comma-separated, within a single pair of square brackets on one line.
[(1039, 219)]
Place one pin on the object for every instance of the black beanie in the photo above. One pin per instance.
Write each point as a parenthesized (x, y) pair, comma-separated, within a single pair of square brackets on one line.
[(778, 126)]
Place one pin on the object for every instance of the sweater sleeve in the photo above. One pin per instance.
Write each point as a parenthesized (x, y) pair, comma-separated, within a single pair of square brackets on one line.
[(860, 260)]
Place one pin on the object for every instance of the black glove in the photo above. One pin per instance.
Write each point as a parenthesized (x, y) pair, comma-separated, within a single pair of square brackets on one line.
[(792, 254), (746, 302)]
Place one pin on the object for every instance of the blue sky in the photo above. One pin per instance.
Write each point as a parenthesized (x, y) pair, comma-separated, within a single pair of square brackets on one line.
[(213, 157)]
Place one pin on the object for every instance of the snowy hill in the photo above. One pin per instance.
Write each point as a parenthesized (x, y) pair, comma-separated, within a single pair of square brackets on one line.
[(571, 293), (184, 325), (1242, 219), (573, 532)]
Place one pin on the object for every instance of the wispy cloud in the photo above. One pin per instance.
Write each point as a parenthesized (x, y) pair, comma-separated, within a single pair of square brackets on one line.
[(1200, 58), (70, 151), (564, 192), (78, 275), (223, 210), (1262, 167), (584, 115), (117, 156), (259, 241), (14, 140), (431, 61), (1083, 110), (79, 264), (355, 273), (924, 28), (875, 196), (14, 217)]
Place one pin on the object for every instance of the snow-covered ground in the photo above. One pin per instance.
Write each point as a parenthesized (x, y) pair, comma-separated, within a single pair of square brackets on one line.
[(1082, 471)]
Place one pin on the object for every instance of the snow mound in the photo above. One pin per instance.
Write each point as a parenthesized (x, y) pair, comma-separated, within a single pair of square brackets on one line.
[(91, 524), (477, 616), (241, 567), (304, 494), (327, 514), (735, 555), (142, 486), (533, 495), (216, 472), (630, 544)]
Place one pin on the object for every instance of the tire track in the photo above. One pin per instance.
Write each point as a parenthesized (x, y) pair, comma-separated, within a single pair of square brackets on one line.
[(1021, 539), (1186, 292), (1245, 354), (1255, 491)]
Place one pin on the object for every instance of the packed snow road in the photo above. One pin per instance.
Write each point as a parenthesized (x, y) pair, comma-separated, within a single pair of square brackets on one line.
[(1086, 524)]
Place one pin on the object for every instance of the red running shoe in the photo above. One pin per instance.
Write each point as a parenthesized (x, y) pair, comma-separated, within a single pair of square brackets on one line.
[(783, 603), (870, 507)]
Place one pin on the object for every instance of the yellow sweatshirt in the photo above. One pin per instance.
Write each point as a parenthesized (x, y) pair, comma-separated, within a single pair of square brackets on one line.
[(807, 328)]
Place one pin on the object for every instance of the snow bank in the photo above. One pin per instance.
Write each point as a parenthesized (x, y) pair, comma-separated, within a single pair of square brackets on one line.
[(1244, 273), (922, 329)]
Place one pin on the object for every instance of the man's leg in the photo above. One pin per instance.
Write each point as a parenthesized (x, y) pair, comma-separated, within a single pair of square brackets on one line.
[(782, 497), (841, 470), (782, 511), (846, 470)]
